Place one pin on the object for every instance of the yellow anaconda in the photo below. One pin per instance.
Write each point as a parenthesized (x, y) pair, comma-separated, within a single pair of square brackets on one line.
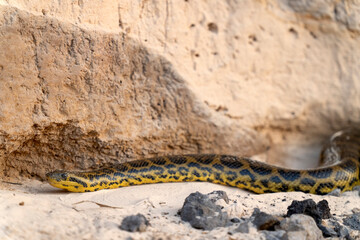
[(342, 152)]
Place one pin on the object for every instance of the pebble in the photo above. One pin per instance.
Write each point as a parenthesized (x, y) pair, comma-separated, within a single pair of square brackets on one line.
[(357, 189), (235, 220), (336, 192), (202, 213), (134, 223), (355, 210)]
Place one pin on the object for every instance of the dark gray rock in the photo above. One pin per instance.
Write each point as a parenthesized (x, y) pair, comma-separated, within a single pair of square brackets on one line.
[(327, 231), (264, 221), (134, 223), (336, 193), (260, 221), (244, 227), (357, 188), (274, 235), (324, 210), (353, 221), (202, 213), (341, 231)]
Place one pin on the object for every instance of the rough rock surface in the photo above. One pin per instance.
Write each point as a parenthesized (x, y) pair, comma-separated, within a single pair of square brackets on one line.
[(72, 97), (353, 221), (84, 83), (202, 213), (336, 229), (76, 98), (318, 211)]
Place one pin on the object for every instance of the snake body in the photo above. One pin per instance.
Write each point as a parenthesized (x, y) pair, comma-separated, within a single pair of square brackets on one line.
[(342, 152)]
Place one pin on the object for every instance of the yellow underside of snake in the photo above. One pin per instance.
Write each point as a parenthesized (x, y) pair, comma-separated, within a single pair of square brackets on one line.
[(342, 152)]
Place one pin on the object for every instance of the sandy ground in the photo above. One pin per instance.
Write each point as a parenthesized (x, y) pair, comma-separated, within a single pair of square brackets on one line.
[(36, 210)]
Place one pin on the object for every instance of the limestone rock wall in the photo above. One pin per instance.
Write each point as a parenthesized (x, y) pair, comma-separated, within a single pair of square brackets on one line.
[(84, 83)]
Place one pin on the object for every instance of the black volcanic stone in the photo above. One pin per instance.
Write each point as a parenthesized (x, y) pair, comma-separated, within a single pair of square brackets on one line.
[(309, 207), (316, 211), (264, 221)]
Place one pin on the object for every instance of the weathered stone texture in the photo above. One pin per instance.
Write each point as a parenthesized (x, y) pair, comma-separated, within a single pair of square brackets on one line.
[(76, 98), (85, 83)]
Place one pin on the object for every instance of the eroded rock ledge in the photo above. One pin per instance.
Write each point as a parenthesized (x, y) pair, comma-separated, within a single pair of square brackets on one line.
[(84, 84), (72, 98)]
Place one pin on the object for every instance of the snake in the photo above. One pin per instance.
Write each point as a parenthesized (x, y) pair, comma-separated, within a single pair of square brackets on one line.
[(339, 169)]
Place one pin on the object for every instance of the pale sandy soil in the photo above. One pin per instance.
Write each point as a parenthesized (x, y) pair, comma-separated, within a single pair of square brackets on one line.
[(35, 210)]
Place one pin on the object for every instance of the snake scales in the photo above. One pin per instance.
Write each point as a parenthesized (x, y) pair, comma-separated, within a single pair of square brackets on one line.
[(342, 153)]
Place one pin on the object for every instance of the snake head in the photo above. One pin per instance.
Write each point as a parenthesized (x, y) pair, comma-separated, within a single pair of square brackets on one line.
[(66, 180), (57, 176)]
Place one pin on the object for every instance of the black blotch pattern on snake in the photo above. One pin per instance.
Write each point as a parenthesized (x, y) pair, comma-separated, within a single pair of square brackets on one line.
[(342, 152)]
